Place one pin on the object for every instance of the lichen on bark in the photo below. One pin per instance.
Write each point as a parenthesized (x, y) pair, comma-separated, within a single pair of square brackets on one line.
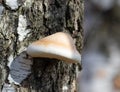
[(44, 17)]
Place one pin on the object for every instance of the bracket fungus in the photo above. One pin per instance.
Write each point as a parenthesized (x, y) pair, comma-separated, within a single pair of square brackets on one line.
[(58, 46)]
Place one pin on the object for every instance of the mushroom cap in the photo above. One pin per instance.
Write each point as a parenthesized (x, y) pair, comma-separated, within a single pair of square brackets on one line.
[(59, 46)]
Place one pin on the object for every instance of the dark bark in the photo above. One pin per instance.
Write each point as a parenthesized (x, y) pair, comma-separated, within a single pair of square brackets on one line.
[(44, 17)]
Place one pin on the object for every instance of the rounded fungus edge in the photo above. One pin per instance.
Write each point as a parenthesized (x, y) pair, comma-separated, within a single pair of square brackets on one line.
[(58, 46)]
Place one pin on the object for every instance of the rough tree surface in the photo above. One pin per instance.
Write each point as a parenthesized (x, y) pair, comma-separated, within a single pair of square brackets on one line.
[(25, 21)]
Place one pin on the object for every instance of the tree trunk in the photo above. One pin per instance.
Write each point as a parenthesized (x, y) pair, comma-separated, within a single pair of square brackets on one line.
[(29, 21)]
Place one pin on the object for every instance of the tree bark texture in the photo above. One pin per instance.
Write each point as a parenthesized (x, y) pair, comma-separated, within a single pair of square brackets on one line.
[(43, 18)]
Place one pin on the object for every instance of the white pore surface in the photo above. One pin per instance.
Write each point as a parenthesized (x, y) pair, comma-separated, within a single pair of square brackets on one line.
[(22, 27), (12, 4), (56, 50), (20, 68)]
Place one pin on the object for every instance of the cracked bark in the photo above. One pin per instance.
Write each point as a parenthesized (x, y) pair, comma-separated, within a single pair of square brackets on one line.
[(44, 17)]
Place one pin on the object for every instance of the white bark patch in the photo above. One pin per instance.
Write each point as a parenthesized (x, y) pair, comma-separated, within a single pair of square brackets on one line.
[(65, 88), (10, 59), (28, 3), (20, 68), (8, 88), (12, 4), (22, 48), (22, 27)]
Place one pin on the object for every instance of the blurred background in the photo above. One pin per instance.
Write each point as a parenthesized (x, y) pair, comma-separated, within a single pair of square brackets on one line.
[(101, 53)]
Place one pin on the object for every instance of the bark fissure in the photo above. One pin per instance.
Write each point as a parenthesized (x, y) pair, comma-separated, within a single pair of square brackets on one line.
[(16, 36), (44, 17)]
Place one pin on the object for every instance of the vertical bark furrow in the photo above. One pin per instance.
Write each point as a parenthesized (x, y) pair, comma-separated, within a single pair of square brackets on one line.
[(44, 17)]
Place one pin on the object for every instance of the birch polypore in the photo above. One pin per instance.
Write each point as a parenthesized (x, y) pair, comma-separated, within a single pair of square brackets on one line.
[(59, 46)]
